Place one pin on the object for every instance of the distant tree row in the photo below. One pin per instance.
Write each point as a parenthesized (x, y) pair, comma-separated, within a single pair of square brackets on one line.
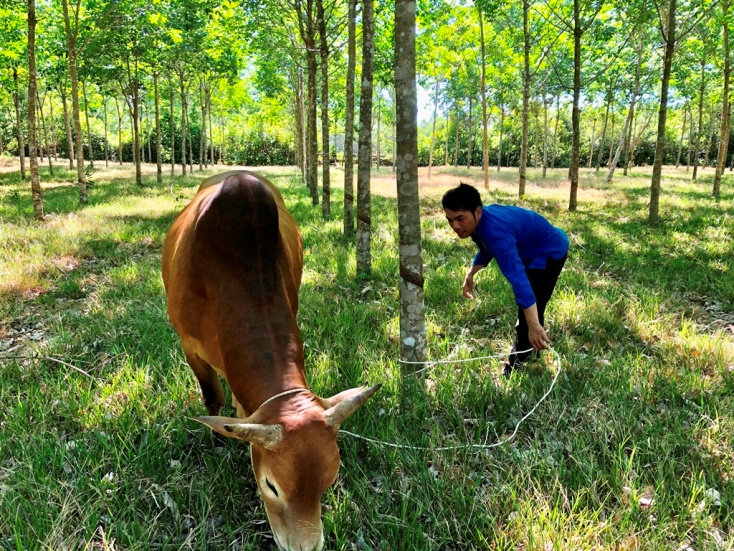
[(546, 83)]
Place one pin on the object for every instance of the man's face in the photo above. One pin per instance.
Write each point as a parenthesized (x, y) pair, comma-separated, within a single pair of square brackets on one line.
[(463, 222)]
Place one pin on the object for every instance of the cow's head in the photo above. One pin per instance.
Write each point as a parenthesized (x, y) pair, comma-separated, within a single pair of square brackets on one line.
[(295, 459)]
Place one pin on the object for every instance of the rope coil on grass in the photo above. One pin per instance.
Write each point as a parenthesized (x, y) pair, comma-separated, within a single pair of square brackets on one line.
[(465, 446)]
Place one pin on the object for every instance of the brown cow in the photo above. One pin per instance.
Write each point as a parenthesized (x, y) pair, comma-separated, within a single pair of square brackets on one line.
[(232, 265)]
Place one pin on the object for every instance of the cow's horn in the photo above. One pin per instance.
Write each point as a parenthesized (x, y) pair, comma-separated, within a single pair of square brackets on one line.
[(267, 436), (351, 400)]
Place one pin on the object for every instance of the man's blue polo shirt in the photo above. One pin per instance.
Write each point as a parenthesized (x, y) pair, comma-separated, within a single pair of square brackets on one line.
[(518, 239)]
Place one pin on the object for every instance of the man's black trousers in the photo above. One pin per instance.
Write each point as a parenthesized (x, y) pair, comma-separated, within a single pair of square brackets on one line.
[(543, 282)]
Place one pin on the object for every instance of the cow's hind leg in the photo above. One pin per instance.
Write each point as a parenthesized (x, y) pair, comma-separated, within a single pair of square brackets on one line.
[(211, 388)]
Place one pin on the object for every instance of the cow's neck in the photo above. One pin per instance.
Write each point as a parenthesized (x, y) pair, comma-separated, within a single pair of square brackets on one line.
[(262, 350)]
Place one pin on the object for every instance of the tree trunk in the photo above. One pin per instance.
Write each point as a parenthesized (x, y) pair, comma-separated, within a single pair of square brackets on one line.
[(701, 95), (299, 108), (158, 152), (470, 137), (173, 127), (446, 145), (626, 130), (413, 341), (324, 52), (349, 124), (622, 140), (433, 131), (52, 129), (106, 143), (682, 135), (456, 137), (591, 142), (657, 169), (555, 133), (725, 114), (308, 35), (71, 39), (364, 206), (575, 113), (483, 85), (191, 144), (40, 109), (86, 118), (19, 123), (148, 130), (39, 148), (184, 107), (610, 97), (32, 91), (119, 131), (545, 134), (690, 140), (69, 137), (525, 99), (502, 135), (202, 143), (211, 134), (378, 133)]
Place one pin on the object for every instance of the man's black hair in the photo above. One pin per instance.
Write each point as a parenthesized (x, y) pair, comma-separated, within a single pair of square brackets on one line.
[(463, 197)]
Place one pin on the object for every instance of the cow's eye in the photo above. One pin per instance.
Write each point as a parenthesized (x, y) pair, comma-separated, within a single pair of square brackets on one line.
[(272, 488)]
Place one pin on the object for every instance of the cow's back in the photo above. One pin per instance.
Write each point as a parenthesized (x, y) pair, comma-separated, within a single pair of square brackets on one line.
[(235, 243)]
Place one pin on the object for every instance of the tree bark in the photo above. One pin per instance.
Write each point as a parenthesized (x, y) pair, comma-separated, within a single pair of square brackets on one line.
[(433, 131), (364, 202), (324, 53), (701, 94), (69, 137), (119, 130), (525, 100), (545, 134), (682, 135), (158, 152), (470, 137), (173, 127), (413, 341), (79, 139), (725, 114), (610, 97), (483, 84), (502, 135), (349, 123), (106, 142), (32, 91), (43, 121), (446, 145), (19, 123), (575, 113), (86, 118), (657, 169), (182, 89), (591, 142), (626, 130)]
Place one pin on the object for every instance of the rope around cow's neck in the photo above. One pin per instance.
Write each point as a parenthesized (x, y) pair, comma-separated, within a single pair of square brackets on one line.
[(484, 446), (285, 393)]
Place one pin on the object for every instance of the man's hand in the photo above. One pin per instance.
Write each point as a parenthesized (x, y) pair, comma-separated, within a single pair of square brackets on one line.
[(467, 289), (536, 334), (538, 338)]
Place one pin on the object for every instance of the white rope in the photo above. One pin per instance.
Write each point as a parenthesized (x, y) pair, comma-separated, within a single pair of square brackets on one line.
[(433, 363), (291, 391), (468, 446)]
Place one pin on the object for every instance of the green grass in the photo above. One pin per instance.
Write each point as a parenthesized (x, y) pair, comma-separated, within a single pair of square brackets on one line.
[(96, 451)]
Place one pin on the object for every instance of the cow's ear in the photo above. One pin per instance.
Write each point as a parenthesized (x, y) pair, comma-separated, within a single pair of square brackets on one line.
[(267, 436), (342, 405)]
